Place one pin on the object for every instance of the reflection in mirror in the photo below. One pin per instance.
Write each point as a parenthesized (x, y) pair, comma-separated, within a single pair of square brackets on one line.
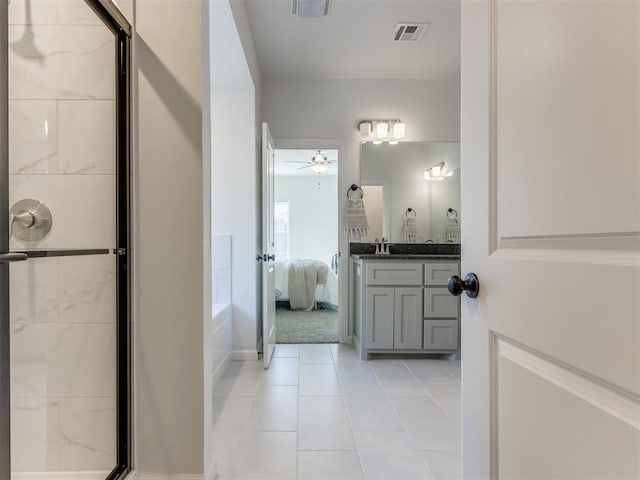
[(403, 202)]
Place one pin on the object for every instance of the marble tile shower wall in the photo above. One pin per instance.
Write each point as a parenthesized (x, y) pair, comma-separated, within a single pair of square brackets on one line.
[(62, 152)]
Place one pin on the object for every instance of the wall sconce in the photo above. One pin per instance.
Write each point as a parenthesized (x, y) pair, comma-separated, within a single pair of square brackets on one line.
[(437, 172), (379, 131)]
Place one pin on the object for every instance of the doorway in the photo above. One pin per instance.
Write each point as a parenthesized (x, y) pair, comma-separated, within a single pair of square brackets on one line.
[(306, 244), (64, 241)]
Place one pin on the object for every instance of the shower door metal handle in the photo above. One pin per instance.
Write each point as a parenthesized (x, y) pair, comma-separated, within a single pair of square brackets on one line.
[(13, 257)]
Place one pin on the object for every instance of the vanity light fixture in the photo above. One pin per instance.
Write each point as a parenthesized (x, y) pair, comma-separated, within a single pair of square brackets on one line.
[(438, 172), (380, 131)]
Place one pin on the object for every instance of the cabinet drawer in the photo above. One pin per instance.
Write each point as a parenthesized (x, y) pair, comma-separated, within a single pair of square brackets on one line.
[(439, 273), (439, 303), (394, 274), (440, 334)]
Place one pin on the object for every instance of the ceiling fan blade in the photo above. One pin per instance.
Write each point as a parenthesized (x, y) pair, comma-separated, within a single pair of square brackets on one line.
[(306, 166), (293, 161)]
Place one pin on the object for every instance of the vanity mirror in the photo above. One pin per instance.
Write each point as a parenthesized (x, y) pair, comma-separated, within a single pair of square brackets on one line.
[(412, 191)]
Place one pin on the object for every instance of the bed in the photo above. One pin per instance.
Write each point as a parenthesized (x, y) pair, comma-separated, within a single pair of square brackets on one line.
[(326, 288)]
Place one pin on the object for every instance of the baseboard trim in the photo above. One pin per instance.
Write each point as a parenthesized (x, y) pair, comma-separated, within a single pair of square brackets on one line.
[(249, 355), (59, 475)]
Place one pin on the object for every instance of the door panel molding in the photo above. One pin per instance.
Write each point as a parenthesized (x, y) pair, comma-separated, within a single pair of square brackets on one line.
[(623, 405)]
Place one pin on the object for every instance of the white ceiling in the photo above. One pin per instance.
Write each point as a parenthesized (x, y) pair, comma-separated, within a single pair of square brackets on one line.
[(283, 157), (355, 40)]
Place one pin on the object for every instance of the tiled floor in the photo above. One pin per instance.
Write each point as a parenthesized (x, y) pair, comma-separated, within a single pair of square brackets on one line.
[(322, 413)]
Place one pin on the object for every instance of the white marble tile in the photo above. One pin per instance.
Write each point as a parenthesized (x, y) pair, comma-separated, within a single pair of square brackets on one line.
[(430, 372), (287, 350), (444, 464), (87, 289), (28, 362), (323, 424), (265, 456), (283, 371), (34, 291), (61, 62), (80, 359), (329, 465), (32, 12), (401, 465), (82, 208), (35, 444), (318, 380), (316, 353), (33, 137), (230, 417), (87, 142), (76, 12), (275, 409), (87, 433)]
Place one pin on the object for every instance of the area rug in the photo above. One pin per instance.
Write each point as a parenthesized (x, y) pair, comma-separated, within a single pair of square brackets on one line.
[(316, 326)]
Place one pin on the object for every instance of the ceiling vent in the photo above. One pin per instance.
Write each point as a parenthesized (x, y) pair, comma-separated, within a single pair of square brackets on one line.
[(310, 8), (410, 32)]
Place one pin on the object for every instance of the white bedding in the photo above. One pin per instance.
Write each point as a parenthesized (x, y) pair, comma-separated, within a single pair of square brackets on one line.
[(325, 293)]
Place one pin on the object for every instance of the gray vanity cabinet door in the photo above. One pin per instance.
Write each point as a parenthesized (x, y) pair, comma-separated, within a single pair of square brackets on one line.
[(407, 318), (439, 303), (441, 334), (379, 317)]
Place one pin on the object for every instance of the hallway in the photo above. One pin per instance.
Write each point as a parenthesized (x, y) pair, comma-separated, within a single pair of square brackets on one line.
[(322, 413)]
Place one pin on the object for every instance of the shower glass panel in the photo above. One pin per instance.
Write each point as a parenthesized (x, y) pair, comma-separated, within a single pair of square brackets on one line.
[(63, 206)]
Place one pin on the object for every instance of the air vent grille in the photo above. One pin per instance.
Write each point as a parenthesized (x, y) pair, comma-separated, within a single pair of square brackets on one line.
[(310, 8), (410, 32)]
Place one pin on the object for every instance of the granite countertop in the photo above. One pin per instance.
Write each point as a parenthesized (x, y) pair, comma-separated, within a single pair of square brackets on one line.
[(405, 256)]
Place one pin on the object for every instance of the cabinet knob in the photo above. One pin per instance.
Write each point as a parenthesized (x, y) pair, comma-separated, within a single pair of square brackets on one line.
[(470, 285)]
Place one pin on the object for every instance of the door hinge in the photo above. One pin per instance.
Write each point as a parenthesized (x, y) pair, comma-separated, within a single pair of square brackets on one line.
[(120, 251)]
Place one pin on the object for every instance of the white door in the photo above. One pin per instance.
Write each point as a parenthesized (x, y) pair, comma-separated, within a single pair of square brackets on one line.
[(551, 200), (268, 248)]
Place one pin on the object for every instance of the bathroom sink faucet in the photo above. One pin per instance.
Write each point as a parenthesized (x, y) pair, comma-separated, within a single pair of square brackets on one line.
[(383, 247)]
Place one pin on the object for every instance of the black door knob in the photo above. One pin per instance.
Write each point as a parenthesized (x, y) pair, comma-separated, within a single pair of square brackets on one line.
[(470, 285)]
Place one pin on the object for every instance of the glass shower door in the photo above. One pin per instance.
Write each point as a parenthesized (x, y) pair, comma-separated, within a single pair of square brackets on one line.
[(62, 275)]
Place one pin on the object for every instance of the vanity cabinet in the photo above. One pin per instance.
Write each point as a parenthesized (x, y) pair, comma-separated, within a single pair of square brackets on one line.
[(403, 306)]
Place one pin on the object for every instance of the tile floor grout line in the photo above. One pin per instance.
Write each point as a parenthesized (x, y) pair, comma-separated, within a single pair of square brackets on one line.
[(433, 397), (404, 426), (346, 411)]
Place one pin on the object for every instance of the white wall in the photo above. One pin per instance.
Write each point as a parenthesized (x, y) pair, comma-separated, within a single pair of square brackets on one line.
[(313, 215), (234, 195), (430, 109), (169, 247)]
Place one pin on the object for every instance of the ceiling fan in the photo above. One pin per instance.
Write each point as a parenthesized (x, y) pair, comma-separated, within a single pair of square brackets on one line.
[(318, 163)]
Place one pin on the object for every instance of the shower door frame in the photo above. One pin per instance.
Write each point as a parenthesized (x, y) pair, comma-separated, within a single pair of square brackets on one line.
[(120, 27)]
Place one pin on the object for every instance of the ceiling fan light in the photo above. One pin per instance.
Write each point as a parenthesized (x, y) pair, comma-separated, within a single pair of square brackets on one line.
[(427, 175), (382, 130), (399, 130), (319, 168), (436, 170)]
